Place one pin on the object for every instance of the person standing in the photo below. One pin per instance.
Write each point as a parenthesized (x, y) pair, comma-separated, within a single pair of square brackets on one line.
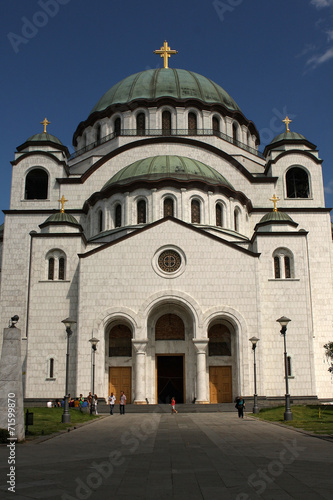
[(122, 403), (173, 405), (95, 403), (90, 400), (112, 400), (240, 405)]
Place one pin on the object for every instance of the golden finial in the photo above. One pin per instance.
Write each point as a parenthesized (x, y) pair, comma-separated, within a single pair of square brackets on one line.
[(287, 121), (45, 123), (62, 201), (275, 199), (165, 52)]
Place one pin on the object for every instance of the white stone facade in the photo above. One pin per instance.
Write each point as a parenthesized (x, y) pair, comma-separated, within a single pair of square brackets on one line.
[(104, 271)]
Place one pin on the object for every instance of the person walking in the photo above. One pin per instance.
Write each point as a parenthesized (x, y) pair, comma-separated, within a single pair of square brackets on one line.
[(112, 400), (240, 405), (95, 403), (90, 400), (122, 403), (173, 405)]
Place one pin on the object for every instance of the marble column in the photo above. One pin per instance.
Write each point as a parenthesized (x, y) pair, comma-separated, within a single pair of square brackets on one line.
[(140, 347), (11, 390), (201, 351)]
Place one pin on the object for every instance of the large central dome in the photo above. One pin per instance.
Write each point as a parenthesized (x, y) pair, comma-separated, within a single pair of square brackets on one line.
[(165, 82)]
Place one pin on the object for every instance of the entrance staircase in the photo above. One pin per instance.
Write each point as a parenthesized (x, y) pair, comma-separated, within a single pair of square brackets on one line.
[(103, 408)]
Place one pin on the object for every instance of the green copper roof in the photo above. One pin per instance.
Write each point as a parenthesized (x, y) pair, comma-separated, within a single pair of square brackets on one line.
[(162, 82), (289, 136), (61, 217), (44, 137), (160, 167), (276, 217)]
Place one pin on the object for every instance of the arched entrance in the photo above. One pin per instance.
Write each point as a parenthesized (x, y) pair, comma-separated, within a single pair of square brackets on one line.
[(119, 356)]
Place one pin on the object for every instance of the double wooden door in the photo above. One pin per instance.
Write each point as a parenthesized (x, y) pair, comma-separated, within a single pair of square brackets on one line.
[(120, 380), (220, 384)]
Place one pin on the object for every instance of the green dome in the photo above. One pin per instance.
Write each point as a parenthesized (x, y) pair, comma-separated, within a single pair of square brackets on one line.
[(44, 137), (288, 136), (276, 217), (160, 167), (61, 217), (162, 82)]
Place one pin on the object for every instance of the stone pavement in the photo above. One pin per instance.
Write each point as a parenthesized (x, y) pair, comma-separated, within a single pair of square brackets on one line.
[(163, 456)]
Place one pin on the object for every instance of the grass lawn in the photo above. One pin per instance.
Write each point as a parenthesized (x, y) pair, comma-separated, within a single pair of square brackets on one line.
[(48, 420), (314, 418)]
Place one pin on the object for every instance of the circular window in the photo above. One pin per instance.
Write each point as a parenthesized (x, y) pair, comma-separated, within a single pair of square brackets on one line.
[(169, 261)]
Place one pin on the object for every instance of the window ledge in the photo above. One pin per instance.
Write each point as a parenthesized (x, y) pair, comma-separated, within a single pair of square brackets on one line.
[(54, 281), (50, 379), (284, 279)]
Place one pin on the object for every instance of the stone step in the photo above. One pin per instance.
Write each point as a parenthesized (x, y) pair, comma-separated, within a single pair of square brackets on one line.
[(165, 408)]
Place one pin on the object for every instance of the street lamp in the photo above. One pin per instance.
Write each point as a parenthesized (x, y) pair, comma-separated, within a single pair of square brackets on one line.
[(94, 343), (66, 418), (254, 341), (284, 322)]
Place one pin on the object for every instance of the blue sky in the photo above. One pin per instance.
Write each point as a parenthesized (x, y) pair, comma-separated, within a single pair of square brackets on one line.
[(58, 57)]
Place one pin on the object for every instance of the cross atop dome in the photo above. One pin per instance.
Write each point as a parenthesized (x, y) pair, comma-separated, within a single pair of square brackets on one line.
[(165, 52), (274, 199), (62, 201), (287, 121), (45, 122)]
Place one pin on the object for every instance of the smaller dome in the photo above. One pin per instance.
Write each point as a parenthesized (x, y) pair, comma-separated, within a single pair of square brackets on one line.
[(45, 138), (168, 167), (276, 217), (61, 217), (288, 136)]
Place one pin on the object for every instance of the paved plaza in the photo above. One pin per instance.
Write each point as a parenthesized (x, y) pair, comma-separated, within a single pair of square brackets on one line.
[(162, 456)]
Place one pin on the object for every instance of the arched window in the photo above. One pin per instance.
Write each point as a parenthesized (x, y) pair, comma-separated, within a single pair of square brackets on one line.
[(195, 212), (56, 265), (216, 125), (283, 264), (234, 132), (98, 133), (120, 343), (168, 207), (51, 269), (248, 138), (140, 124), (117, 126), (100, 221), (219, 340), (219, 214), (117, 215), (236, 220), (142, 212), (51, 368), (297, 181), (192, 123), (36, 184), (169, 327), (166, 123)]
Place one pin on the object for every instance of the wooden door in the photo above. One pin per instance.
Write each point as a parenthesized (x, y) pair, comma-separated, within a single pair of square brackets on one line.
[(120, 380), (220, 384)]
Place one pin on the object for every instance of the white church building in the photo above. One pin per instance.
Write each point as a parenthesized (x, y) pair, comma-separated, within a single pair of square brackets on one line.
[(172, 240)]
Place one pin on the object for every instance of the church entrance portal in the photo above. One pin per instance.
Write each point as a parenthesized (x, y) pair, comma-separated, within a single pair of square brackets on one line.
[(170, 378)]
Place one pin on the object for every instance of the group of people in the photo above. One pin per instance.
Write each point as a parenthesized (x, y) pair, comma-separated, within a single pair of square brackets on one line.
[(122, 402)]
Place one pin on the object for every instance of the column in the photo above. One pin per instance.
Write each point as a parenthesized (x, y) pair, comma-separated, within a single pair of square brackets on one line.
[(210, 213), (153, 212), (140, 347), (182, 201), (201, 351), (127, 216)]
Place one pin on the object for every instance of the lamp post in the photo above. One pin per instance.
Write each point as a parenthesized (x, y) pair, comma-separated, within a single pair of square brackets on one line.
[(284, 322), (254, 341), (94, 343), (66, 418)]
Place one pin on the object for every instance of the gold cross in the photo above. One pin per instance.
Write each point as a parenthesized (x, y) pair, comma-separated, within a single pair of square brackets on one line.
[(275, 199), (62, 201), (165, 52), (287, 121), (45, 123)]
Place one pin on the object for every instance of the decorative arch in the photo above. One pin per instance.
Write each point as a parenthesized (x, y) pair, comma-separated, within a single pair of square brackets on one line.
[(192, 121), (283, 263), (168, 206), (141, 211), (216, 125), (56, 265), (166, 122), (237, 214), (117, 126), (195, 211), (36, 184), (235, 131), (140, 123)]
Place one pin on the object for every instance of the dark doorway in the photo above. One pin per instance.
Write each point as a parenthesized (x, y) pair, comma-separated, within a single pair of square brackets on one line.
[(170, 379)]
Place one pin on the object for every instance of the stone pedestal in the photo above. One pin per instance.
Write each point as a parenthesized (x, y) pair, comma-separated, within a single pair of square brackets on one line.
[(201, 350), (140, 371), (11, 390)]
